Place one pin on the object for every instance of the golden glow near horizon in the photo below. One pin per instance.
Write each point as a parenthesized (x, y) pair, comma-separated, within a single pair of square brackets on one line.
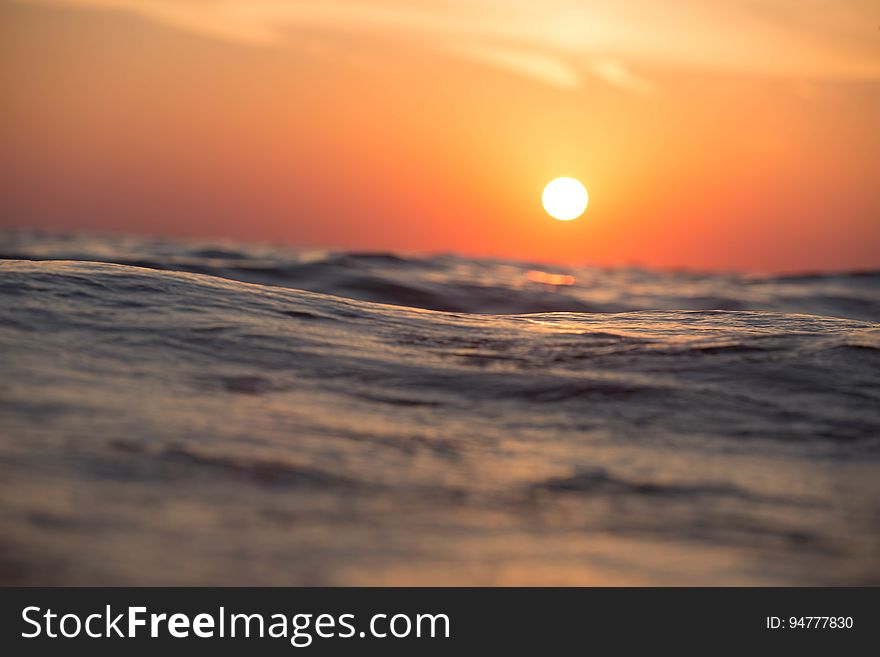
[(565, 198)]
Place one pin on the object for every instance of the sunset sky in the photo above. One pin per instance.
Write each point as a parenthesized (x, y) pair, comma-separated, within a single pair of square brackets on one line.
[(728, 135)]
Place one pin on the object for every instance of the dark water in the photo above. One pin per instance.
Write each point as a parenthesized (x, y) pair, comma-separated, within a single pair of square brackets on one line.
[(208, 414)]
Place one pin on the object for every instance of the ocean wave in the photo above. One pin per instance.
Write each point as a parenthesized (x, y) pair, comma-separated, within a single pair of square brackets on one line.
[(264, 434), (469, 285)]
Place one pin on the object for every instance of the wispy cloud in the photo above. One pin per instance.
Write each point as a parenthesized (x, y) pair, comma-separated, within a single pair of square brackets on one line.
[(617, 73), (556, 42), (541, 66)]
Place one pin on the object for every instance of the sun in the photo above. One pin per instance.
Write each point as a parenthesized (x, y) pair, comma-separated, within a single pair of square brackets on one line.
[(565, 199)]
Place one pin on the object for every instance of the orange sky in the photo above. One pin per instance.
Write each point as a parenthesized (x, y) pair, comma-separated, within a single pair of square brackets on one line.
[(739, 134)]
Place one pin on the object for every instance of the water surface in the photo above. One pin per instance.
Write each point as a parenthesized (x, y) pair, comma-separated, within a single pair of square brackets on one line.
[(184, 413)]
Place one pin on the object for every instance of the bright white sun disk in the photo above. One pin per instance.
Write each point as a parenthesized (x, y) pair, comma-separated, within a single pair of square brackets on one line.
[(565, 199)]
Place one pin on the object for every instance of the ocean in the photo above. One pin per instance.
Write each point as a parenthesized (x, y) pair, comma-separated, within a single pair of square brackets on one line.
[(185, 412)]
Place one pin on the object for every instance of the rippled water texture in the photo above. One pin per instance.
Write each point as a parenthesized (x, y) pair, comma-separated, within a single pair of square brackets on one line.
[(217, 414)]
